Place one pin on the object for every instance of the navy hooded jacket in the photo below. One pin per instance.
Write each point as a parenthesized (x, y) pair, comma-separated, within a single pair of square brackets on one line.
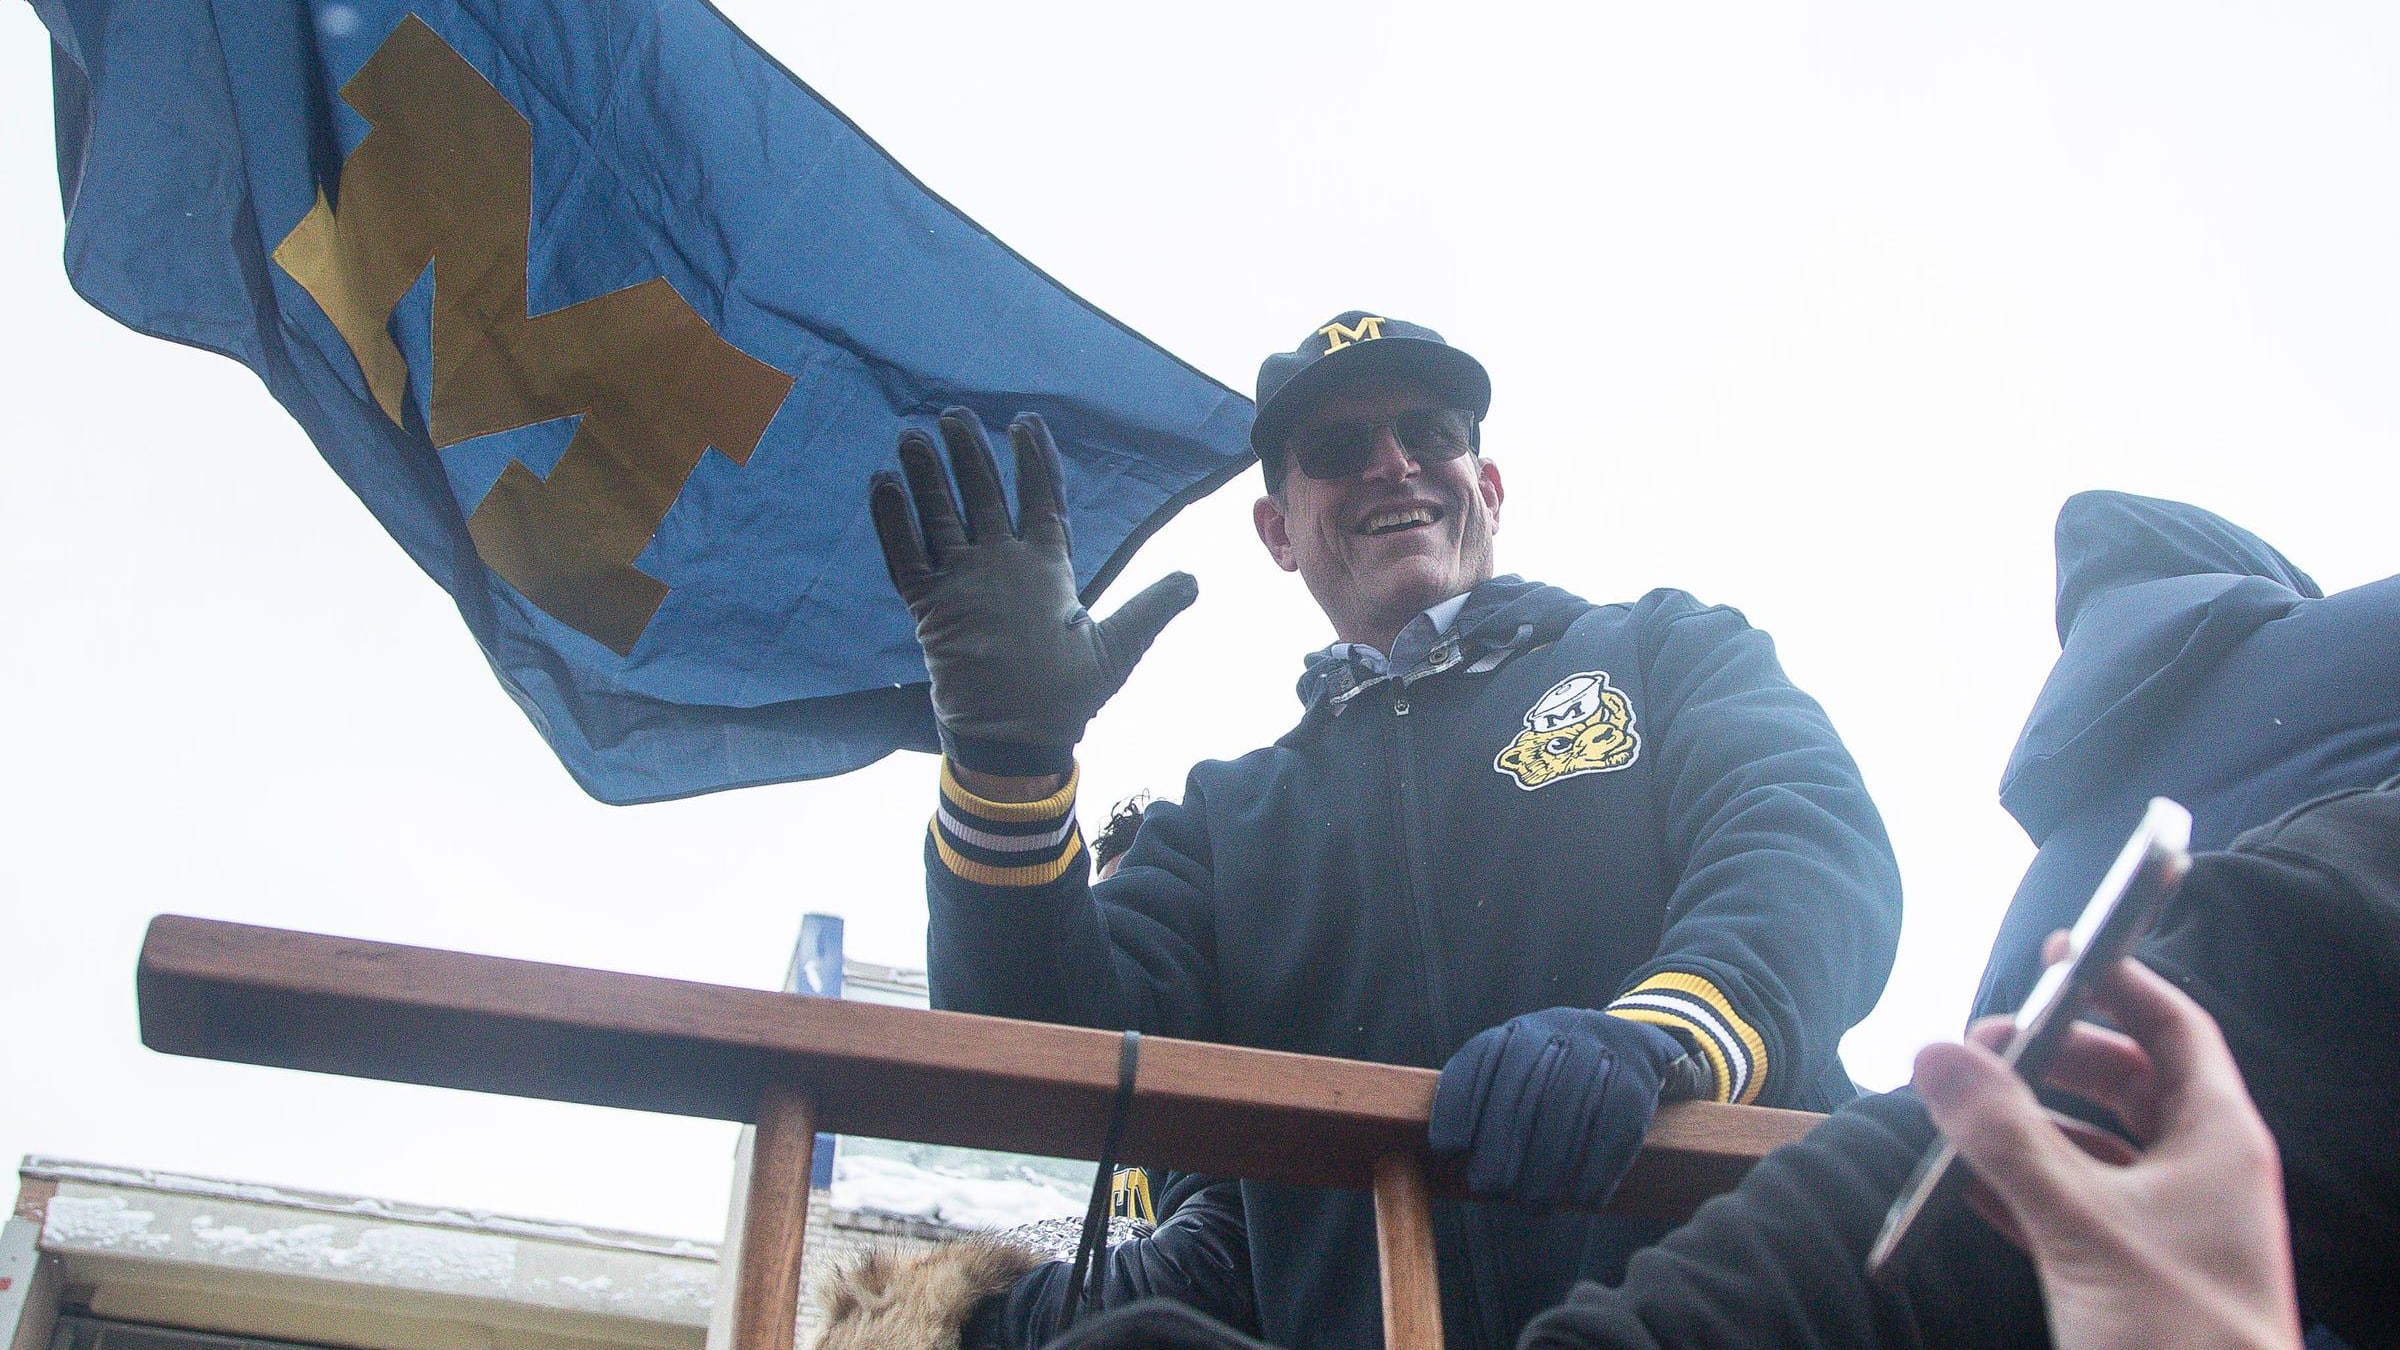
[(2290, 940), (2197, 663), (1624, 807)]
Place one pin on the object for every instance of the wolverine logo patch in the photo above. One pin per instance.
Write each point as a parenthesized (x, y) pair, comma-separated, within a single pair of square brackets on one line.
[(1582, 725)]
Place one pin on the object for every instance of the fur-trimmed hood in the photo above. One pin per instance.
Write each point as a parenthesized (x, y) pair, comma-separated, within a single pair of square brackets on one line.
[(890, 1300)]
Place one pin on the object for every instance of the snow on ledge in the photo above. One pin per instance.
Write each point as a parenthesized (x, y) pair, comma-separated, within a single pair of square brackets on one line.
[(891, 1186), (364, 1207)]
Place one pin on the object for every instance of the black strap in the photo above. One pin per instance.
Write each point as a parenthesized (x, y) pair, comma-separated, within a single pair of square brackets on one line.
[(1095, 1217)]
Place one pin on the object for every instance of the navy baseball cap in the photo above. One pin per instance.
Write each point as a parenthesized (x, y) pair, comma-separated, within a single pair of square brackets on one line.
[(1357, 345)]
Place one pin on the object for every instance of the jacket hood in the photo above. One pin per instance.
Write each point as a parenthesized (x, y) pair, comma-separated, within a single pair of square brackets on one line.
[(2152, 595), (2110, 540), (1500, 607)]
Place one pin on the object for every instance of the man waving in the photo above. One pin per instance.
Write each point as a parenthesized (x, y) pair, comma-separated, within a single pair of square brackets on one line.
[(1577, 855)]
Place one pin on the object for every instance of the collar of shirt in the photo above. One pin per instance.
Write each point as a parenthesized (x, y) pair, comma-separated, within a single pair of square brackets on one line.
[(1434, 640), (1408, 649)]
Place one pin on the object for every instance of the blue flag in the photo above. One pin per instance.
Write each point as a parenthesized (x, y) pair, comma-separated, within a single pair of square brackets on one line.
[(608, 319)]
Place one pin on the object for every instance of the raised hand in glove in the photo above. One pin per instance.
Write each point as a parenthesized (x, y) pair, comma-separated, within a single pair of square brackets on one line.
[(1550, 1107), (1018, 665)]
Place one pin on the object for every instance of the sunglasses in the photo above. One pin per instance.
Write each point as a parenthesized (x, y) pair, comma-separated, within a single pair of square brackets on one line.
[(1335, 450)]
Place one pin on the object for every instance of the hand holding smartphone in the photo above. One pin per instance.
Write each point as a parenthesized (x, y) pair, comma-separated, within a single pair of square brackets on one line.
[(2140, 882)]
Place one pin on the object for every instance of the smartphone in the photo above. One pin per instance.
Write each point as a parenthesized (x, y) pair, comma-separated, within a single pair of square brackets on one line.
[(2137, 886)]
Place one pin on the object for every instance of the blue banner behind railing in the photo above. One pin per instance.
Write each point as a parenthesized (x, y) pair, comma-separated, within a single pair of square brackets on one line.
[(607, 318)]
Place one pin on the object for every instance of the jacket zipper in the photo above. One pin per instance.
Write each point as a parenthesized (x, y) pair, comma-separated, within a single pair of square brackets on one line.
[(1412, 849), (1437, 1003)]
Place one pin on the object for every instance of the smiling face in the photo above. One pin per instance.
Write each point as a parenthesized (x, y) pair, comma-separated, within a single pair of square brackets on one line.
[(1382, 545)]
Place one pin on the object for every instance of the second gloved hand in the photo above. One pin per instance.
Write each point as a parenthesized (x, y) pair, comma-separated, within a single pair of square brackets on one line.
[(1550, 1107), (1018, 665)]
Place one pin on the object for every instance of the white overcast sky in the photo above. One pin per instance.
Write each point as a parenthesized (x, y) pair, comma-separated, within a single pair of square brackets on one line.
[(1815, 310)]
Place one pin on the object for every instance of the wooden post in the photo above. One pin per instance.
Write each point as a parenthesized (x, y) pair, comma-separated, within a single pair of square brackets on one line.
[(766, 1308), (816, 968), (1412, 1296)]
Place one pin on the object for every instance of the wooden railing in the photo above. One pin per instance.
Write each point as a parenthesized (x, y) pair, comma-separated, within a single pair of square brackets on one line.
[(794, 1065)]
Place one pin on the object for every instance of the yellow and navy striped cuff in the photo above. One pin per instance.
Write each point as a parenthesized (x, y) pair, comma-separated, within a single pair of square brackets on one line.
[(1690, 1004), (1005, 843)]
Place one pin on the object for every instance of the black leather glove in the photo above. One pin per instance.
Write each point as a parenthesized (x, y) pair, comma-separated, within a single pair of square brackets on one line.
[(1018, 665), (1550, 1107)]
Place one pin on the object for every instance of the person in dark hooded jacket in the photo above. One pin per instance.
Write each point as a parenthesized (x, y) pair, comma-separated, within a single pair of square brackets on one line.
[(2290, 939), (2198, 663), (1575, 855)]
